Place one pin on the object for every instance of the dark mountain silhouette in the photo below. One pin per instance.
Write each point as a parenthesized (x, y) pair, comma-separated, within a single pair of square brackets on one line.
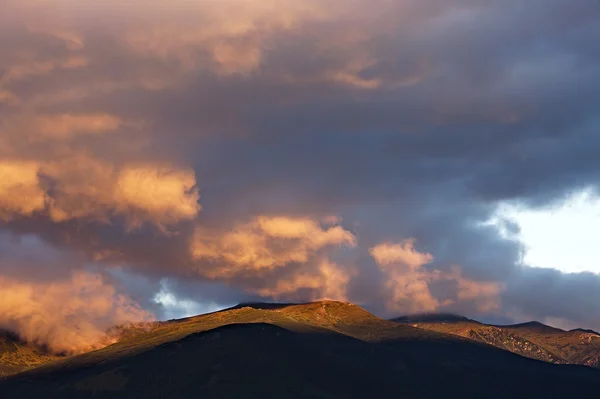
[(583, 330), (532, 326), (532, 339), (317, 350), (431, 318)]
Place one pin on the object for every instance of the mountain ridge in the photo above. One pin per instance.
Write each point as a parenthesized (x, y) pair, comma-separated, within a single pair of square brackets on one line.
[(324, 349), (531, 339)]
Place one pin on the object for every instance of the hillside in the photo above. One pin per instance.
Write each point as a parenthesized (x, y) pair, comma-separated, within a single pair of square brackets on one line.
[(325, 316), (576, 346), (322, 350), (17, 356), (531, 339)]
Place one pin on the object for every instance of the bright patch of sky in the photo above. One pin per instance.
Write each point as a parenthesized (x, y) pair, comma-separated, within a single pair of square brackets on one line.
[(564, 237), (177, 308)]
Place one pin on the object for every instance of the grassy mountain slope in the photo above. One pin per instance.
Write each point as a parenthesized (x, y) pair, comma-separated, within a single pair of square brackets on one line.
[(17, 356), (321, 350)]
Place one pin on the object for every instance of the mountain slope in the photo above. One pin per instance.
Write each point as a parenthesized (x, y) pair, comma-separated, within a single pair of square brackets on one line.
[(575, 346), (321, 350), (532, 339), (348, 319), (17, 356)]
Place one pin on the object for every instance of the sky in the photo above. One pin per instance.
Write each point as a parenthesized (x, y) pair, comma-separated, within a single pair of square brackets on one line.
[(563, 236), (160, 159)]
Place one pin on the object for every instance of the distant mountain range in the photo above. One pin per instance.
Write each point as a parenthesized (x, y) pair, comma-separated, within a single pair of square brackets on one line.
[(317, 350), (532, 339)]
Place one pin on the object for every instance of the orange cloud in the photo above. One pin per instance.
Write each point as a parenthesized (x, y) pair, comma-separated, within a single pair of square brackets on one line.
[(226, 38), (329, 281), (20, 191), (484, 294), (69, 316), (65, 126), (264, 244), (408, 281), (8, 97), (95, 190), (403, 253), (29, 68), (163, 195)]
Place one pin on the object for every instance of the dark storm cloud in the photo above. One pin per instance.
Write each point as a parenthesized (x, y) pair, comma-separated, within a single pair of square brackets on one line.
[(548, 294)]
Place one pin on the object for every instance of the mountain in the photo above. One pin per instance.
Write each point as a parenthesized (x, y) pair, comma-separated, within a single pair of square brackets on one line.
[(316, 350), (532, 339), (431, 318), (576, 346), (17, 356)]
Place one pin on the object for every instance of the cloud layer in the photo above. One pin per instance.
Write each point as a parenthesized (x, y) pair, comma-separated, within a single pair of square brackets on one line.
[(293, 150)]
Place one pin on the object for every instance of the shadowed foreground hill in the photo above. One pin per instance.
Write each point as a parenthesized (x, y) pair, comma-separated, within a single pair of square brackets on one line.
[(318, 350), (532, 339)]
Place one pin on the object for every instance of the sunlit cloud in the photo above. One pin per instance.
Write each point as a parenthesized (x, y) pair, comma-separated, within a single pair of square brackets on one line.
[(20, 191), (328, 282), (410, 282), (265, 244), (67, 316), (95, 191), (65, 126)]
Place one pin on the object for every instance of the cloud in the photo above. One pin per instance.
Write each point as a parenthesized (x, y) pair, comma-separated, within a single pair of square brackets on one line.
[(265, 244), (31, 68), (96, 191), (546, 294), (402, 118), (163, 195), (67, 316), (65, 126), (20, 192), (328, 282), (410, 283), (402, 253)]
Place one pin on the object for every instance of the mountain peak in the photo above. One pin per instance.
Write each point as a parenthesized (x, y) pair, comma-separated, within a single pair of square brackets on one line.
[(534, 325), (323, 313), (278, 305), (260, 305), (331, 309), (584, 330)]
